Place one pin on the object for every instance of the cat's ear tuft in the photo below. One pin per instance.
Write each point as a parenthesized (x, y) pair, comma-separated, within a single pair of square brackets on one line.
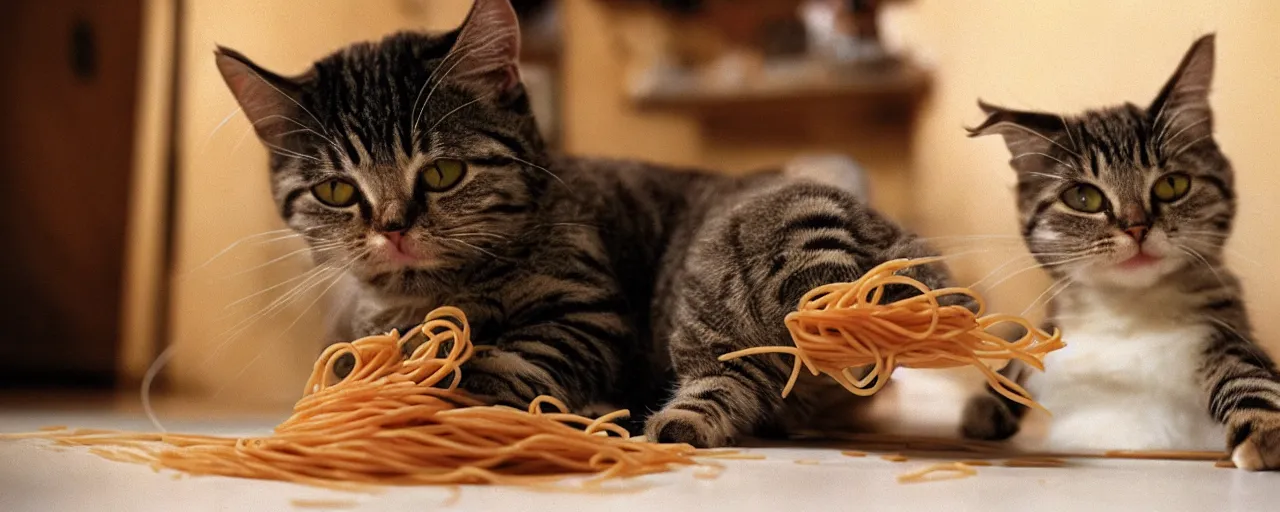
[(269, 100), (488, 48), (1183, 103), (1022, 131)]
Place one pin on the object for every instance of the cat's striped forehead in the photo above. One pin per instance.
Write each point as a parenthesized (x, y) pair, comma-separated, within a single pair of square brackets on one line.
[(1113, 142), (379, 99)]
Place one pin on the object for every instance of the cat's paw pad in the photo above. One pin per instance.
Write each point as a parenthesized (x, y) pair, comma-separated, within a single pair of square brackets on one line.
[(986, 417), (681, 426), (1260, 451)]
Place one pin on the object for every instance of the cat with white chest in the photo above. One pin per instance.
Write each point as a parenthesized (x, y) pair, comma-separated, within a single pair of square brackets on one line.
[(1128, 208)]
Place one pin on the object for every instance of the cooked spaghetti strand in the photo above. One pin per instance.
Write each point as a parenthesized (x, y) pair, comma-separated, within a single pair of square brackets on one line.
[(385, 410), (842, 328)]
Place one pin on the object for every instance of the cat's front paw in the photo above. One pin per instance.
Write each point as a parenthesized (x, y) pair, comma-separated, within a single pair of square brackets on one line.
[(684, 426), (1260, 448), (988, 418)]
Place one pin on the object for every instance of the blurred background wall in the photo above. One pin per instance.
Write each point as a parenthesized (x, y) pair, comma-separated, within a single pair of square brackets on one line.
[(231, 342)]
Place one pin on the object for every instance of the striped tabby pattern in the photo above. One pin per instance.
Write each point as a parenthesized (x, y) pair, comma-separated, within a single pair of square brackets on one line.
[(1144, 270), (596, 281)]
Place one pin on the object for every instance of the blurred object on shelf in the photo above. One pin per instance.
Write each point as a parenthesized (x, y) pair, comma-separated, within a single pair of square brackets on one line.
[(844, 30), (731, 57), (737, 82)]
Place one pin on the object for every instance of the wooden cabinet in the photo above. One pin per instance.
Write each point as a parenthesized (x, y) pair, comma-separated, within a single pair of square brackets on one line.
[(67, 110)]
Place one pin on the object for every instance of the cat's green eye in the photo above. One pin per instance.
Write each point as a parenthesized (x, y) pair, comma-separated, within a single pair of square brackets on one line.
[(1084, 198), (443, 174), (336, 193), (1171, 187)]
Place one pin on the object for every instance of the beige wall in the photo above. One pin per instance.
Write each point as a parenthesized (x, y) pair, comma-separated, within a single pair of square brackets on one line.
[(1064, 56)]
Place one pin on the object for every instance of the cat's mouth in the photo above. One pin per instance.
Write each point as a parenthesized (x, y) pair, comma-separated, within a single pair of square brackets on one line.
[(1142, 259)]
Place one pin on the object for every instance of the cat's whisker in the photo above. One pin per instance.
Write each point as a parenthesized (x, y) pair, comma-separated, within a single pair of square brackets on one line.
[(1038, 265), (289, 153), (303, 127), (1046, 155), (1165, 143), (1226, 325), (1016, 238), (1002, 266), (232, 332), (472, 247), (1092, 249), (1196, 254), (460, 107), (1218, 234), (474, 234), (1060, 285), (1240, 256), (205, 145), (317, 249), (249, 297), (470, 48), (946, 256), (1067, 128), (1046, 175), (1042, 136), (540, 168), (993, 244), (231, 246), (460, 53), (314, 279), (244, 135), (1187, 146), (332, 280), (1164, 129), (290, 98)]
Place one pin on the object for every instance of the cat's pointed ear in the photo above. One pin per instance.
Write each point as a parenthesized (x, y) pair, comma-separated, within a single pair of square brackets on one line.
[(1024, 132), (488, 48), (1182, 107), (270, 101)]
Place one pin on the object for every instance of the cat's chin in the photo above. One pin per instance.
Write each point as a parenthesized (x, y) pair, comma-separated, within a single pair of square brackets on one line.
[(1131, 274)]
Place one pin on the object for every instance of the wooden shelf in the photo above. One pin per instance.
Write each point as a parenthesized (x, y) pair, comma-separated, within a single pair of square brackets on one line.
[(786, 86)]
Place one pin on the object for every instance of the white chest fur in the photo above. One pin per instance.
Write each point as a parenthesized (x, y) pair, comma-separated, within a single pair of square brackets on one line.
[(1127, 378)]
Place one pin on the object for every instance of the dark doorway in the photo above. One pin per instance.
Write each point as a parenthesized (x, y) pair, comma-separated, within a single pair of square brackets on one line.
[(67, 108)]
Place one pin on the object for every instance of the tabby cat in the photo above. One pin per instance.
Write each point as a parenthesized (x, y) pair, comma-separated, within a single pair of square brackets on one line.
[(1129, 209), (413, 166)]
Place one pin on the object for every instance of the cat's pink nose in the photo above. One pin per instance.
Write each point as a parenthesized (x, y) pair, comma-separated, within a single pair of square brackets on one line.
[(394, 237), (1138, 233)]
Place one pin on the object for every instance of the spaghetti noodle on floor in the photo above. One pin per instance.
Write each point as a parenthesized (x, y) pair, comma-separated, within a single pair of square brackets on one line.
[(385, 410), (842, 327)]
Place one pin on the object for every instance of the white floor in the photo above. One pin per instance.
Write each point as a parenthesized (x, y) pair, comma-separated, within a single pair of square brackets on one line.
[(35, 478)]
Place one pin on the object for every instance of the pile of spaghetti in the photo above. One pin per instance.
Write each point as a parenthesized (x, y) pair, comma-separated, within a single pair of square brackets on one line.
[(842, 328), (384, 410)]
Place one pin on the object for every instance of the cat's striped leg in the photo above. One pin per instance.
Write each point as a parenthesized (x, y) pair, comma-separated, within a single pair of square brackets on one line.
[(1243, 388), (748, 270), (715, 402), (565, 334)]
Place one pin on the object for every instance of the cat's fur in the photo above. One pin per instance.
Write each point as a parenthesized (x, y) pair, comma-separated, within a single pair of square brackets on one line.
[(1159, 354), (595, 279)]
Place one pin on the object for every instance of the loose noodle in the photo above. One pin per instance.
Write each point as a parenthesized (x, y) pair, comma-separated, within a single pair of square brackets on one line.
[(955, 470), (401, 420), (841, 327)]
